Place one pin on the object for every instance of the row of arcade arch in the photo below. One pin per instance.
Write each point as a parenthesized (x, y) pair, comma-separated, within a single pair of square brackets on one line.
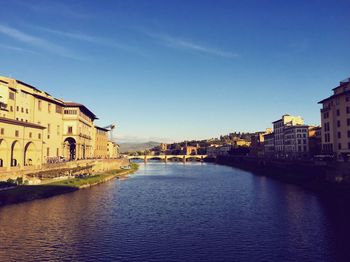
[(16, 154)]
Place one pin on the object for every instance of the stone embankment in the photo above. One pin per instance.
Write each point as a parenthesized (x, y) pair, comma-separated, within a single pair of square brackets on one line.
[(320, 176), (103, 172), (63, 170)]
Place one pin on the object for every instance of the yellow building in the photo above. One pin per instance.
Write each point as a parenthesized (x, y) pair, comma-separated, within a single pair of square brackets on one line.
[(36, 128), (26, 106), (112, 149), (78, 129), (335, 121), (101, 142)]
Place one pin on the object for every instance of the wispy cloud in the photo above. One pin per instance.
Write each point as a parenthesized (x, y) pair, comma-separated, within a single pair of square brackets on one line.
[(18, 49), (90, 39), (176, 42), (37, 42)]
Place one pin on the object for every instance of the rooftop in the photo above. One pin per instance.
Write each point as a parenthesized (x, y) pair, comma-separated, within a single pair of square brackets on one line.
[(82, 107)]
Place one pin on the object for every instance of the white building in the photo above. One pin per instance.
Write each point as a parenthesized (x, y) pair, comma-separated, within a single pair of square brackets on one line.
[(296, 144), (279, 127)]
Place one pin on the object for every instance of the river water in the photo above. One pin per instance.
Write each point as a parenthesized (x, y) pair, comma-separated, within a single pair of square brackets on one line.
[(180, 212)]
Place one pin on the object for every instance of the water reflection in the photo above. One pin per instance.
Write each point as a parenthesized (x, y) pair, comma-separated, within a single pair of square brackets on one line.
[(179, 212)]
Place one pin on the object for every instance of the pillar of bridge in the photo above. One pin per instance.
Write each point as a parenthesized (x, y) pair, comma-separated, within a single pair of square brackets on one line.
[(184, 159), (145, 159), (165, 159), (202, 158)]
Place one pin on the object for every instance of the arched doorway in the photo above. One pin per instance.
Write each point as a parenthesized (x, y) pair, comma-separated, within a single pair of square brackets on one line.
[(70, 148), (16, 155), (30, 157), (3, 153)]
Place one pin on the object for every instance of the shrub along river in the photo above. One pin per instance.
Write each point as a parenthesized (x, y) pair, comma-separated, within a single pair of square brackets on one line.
[(180, 212)]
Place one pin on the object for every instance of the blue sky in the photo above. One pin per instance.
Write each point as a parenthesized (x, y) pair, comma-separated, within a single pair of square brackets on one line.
[(175, 70)]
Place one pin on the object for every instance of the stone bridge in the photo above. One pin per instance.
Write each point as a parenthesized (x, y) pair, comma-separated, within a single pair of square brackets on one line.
[(165, 158)]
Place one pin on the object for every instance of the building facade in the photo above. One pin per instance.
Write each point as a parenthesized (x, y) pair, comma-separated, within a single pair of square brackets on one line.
[(100, 137), (296, 142), (269, 145), (315, 140), (36, 128), (113, 149), (78, 131), (258, 141), (279, 127), (335, 121)]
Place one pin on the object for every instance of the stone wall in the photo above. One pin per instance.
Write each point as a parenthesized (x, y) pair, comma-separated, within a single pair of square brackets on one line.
[(63, 170)]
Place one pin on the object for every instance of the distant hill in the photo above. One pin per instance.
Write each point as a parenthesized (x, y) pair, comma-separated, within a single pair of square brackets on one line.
[(131, 147)]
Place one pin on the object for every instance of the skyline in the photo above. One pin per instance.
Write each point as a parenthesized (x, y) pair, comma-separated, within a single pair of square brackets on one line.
[(179, 70)]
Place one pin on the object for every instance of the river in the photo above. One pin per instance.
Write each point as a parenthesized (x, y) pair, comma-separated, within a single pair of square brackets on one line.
[(180, 212)]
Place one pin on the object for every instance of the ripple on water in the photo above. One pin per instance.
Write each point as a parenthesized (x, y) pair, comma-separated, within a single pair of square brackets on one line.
[(177, 212)]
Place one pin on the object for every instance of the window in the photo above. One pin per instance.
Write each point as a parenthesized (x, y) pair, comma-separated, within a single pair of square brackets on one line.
[(70, 112), (348, 133), (47, 151), (12, 95), (338, 112), (22, 110), (39, 136), (338, 123), (58, 109), (16, 133), (11, 108), (49, 107), (39, 105), (339, 135), (348, 121), (17, 108), (30, 134), (348, 109), (339, 146), (57, 152), (58, 130), (27, 111), (70, 130), (2, 131), (48, 128)]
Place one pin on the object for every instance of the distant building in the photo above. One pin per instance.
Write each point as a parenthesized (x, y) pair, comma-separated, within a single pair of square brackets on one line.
[(241, 143), (212, 151), (279, 128), (189, 150), (296, 144), (257, 142), (224, 150), (112, 149), (216, 150), (315, 140), (269, 145), (163, 147), (335, 122)]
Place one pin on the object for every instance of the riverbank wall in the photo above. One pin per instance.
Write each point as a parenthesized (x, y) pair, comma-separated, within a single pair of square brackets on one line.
[(63, 170), (25, 193), (321, 176)]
